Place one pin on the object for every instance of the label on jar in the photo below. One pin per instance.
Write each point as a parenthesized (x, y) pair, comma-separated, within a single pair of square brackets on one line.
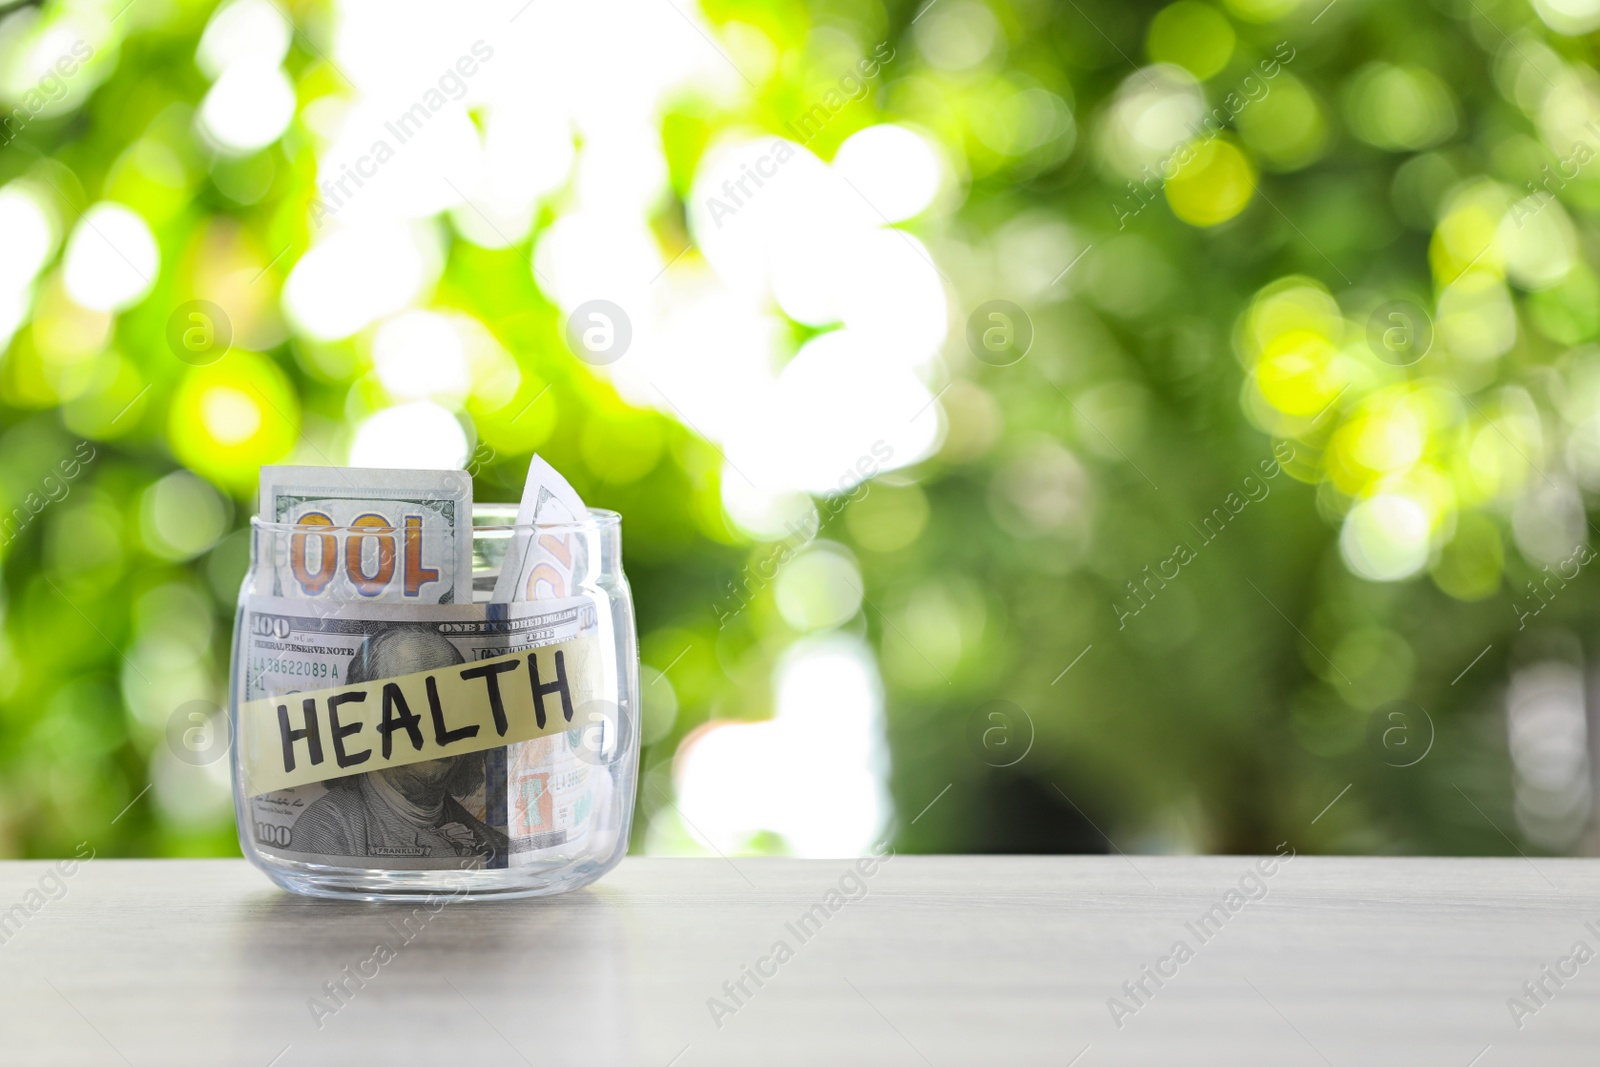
[(306, 737)]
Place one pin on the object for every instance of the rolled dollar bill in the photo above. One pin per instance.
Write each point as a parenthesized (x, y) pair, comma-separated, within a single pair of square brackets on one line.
[(551, 781), (541, 564)]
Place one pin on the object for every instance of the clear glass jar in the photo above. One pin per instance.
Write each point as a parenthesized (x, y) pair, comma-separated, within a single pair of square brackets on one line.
[(424, 693)]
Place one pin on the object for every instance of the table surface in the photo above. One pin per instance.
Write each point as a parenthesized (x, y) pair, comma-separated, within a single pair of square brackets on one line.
[(922, 961)]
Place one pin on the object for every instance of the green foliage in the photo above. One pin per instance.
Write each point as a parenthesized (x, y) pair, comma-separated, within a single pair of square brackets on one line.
[(1201, 304)]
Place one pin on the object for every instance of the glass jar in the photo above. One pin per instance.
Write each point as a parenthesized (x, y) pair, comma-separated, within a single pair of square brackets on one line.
[(404, 751)]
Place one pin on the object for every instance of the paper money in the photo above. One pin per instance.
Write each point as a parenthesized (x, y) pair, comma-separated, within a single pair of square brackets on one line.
[(323, 620), (419, 552), (542, 566), (552, 783), (394, 535), (430, 815)]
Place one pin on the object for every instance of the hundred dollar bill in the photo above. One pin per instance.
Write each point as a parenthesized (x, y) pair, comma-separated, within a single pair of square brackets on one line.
[(428, 815), (394, 535), (557, 791), (419, 552), (541, 566)]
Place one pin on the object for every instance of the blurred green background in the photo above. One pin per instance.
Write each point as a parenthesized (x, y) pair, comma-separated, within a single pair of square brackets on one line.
[(1096, 425)]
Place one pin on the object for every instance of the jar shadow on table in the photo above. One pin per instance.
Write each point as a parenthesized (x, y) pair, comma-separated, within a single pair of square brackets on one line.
[(435, 977)]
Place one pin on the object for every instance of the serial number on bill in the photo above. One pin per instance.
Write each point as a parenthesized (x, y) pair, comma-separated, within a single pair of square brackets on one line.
[(299, 668)]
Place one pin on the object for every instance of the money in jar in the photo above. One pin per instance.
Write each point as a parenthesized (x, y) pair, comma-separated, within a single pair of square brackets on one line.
[(431, 696)]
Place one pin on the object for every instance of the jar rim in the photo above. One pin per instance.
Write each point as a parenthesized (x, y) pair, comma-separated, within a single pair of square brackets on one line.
[(599, 519)]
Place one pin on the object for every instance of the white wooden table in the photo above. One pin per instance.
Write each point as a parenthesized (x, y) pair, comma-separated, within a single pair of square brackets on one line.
[(938, 961)]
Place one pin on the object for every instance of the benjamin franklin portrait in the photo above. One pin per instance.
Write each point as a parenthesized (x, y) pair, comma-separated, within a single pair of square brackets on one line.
[(401, 812)]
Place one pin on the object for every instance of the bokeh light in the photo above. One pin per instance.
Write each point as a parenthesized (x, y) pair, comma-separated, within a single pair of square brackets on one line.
[(111, 258), (847, 527)]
